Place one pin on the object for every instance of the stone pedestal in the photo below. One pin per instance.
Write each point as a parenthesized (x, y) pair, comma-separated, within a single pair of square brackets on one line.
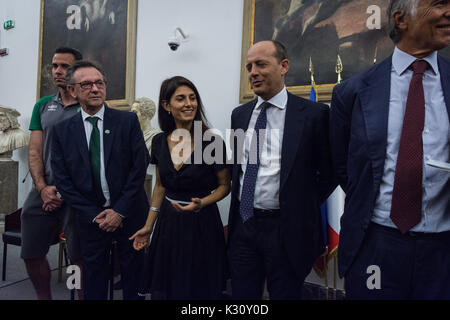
[(9, 171), (148, 187)]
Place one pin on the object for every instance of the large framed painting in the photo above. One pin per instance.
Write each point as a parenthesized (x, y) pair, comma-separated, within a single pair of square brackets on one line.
[(315, 33), (104, 31)]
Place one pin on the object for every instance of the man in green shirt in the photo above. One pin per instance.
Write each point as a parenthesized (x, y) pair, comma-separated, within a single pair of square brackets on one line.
[(44, 212)]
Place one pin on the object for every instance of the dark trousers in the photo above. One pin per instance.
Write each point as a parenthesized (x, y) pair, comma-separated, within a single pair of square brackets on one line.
[(256, 254), (411, 266), (95, 247)]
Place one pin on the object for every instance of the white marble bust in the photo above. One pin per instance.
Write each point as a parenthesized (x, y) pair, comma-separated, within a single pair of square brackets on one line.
[(11, 136), (145, 110)]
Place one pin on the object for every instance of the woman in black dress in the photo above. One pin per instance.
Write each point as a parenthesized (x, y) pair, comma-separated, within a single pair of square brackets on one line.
[(186, 258)]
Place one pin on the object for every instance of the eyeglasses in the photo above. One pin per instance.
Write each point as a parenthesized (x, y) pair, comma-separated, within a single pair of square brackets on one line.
[(87, 85)]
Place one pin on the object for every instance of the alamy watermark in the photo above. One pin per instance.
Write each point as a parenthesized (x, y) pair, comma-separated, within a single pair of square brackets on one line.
[(265, 152), (74, 280), (374, 280), (374, 20)]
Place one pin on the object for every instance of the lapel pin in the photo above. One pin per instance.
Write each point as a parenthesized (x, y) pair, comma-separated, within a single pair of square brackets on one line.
[(107, 131)]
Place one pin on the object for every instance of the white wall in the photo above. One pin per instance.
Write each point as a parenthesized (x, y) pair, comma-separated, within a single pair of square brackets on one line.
[(18, 70), (211, 59)]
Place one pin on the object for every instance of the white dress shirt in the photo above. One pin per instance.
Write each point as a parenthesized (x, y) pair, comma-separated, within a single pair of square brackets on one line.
[(267, 187), (88, 129)]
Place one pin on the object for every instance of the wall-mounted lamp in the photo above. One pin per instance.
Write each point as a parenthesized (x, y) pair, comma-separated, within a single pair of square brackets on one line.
[(174, 42)]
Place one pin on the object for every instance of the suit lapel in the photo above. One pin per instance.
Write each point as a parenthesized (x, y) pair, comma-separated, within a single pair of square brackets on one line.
[(374, 100), (292, 136), (243, 121), (444, 69), (79, 134)]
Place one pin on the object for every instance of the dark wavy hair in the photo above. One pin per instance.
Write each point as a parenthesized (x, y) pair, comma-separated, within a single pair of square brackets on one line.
[(168, 88)]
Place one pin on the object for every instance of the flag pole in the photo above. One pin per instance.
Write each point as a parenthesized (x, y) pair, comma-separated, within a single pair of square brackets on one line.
[(339, 68), (375, 55), (325, 268), (335, 276), (315, 97), (311, 71)]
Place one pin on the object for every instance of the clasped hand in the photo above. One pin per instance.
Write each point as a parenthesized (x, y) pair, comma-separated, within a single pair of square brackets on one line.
[(195, 205), (108, 220), (49, 196)]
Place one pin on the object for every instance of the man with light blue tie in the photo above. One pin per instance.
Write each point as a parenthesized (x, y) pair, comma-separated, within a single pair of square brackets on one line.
[(278, 184), (99, 159), (385, 126)]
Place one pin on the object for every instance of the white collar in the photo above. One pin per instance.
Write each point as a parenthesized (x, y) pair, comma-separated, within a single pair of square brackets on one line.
[(100, 114), (402, 60), (279, 100)]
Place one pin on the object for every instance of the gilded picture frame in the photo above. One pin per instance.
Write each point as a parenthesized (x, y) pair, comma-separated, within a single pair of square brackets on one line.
[(317, 31), (104, 31)]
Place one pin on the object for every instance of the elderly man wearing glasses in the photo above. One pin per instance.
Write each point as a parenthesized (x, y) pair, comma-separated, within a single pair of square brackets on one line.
[(99, 160)]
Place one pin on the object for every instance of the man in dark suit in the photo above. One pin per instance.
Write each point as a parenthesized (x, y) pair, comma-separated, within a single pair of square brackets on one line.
[(387, 126), (99, 160), (275, 220)]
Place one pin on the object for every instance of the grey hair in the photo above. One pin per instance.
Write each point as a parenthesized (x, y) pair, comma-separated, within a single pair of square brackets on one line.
[(80, 65), (408, 7)]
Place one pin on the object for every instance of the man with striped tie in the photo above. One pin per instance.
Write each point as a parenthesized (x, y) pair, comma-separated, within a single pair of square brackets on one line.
[(278, 184)]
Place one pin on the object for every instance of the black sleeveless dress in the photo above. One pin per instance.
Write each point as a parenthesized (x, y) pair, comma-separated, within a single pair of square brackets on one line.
[(186, 258)]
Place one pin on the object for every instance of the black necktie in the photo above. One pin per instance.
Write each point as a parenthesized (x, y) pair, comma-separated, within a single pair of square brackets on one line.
[(251, 172), (94, 157)]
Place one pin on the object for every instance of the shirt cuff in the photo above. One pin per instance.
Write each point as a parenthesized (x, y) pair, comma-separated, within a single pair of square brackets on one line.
[(123, 217)]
